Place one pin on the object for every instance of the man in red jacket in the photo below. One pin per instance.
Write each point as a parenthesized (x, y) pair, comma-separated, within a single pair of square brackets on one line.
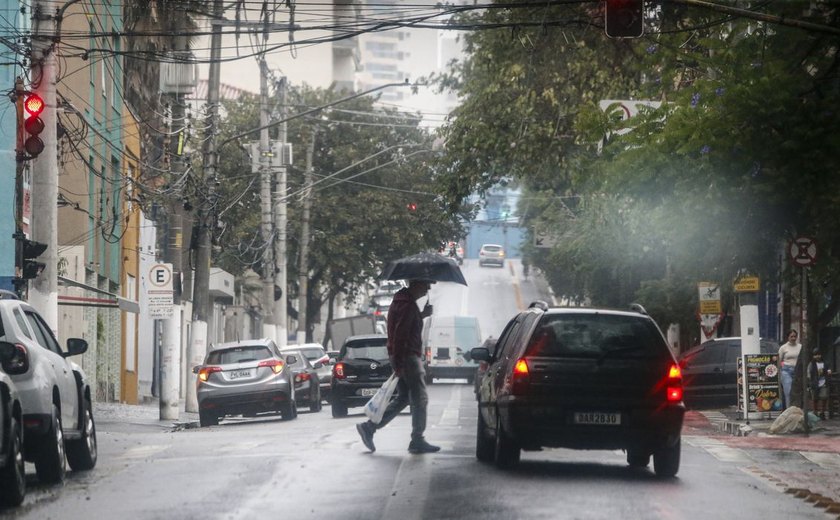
[(405, 350)]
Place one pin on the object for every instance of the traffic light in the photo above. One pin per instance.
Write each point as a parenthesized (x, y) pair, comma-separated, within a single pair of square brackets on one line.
[(26, 266), (624, 18), (33, 105), (412, 206)]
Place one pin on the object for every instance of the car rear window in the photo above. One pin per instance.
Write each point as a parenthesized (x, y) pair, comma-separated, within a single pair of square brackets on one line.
[(313, 353), (492, 249), (366, 350), (596, 335), (241, 354)]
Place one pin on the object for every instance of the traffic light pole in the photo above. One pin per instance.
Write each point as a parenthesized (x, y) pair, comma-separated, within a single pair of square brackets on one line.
[(269, 329), (44, 221)]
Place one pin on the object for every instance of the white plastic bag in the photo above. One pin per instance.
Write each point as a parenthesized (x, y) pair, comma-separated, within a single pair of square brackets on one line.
[(375, 408), (792, 420)]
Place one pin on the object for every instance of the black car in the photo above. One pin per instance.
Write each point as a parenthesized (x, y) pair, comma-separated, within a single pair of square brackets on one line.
[(12, 465), (361, 368), (305, 378), (582, 379), (710, 371)]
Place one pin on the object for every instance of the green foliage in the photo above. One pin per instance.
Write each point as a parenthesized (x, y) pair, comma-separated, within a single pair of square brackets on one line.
[(739, 158), (368, 165)]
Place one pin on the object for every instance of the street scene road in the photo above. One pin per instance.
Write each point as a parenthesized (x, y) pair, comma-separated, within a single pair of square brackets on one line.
[(316, 466)]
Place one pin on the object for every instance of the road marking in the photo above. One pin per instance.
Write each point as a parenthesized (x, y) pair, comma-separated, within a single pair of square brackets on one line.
[(824, 460), (452, 413), (141, 452), (410, 490)]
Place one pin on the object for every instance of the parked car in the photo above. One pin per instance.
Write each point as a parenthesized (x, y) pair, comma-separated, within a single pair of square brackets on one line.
[(245, 377), (305, 377), (710, 371), (318, 357), (12, 465), (360, 370), (54, 393), (491, 254), (582, 379)]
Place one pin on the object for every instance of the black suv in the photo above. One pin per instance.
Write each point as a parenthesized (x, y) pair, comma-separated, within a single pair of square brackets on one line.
[(583, 379), (361, 368), (710, 371)]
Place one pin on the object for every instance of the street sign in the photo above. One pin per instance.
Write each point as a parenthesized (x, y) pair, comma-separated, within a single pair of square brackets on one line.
[(543, 239), (803, 251), (747, 284), (159, 292)]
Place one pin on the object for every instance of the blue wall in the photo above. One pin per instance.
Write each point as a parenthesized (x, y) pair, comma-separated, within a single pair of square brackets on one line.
[(10, 13)]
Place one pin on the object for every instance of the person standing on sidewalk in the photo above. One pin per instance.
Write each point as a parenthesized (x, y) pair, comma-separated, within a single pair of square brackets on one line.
[(405, 350), (818, 384), (788, 354)]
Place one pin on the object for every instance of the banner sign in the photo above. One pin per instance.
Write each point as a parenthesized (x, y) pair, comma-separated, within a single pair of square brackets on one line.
[(762, 380)]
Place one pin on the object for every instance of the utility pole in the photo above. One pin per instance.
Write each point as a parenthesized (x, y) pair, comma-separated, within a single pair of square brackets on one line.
[(303, 278), (269, 329), (44, 224), (201, 287), (280, 309)]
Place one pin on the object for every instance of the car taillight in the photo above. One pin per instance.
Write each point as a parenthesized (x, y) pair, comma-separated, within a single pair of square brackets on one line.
[(481, 253), (521, 377), (428, 354), (338, 371), (17, 363), (205, 372), (673, 387), (275, 364), (301, 377)]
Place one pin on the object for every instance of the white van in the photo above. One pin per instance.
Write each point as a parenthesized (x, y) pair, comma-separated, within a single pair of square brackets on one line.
[(446, 341)]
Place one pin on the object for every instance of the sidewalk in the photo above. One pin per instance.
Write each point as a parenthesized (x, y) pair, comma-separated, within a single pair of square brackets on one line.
[(144, 414)]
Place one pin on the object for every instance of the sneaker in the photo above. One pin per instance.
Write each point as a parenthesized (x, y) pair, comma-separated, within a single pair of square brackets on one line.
[(421, 446), (366, 433)]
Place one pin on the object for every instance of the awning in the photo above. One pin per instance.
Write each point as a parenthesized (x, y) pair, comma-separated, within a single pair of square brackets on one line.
[(113, 300)]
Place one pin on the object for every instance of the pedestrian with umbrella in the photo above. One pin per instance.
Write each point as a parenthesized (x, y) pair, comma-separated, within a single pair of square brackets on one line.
[(405, 344)]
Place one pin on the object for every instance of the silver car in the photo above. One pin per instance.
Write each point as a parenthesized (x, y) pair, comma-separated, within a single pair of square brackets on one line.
[(12, 467), (491, 254), (54, 393), (245, 377), (315, 353)]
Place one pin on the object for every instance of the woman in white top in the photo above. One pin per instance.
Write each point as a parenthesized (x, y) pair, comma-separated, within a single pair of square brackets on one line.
[(788, 354)]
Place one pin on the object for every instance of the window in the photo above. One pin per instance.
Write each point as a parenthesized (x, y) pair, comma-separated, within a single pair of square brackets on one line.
[(43, 334), (22, 323), (377, 351), (596, 334), (238, 355), (503, 346)]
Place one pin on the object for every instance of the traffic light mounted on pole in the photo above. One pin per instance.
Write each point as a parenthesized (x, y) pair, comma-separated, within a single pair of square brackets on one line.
[(33, 105), (624, 18), (26, 268)]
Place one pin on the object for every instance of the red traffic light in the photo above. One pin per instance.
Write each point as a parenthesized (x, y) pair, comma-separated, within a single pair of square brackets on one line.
[(624, 18), (34, 104), (412, 206)]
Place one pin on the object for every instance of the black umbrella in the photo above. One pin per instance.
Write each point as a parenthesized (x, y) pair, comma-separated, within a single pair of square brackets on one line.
[(424, 266)]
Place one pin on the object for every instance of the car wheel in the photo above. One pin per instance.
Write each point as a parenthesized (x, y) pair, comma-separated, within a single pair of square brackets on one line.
[(507, 450), (289, 411), (13, 474), (666, 461), (638, 459), (484, 447), (339, 409), (50, 461), (208, 419), (82, 453)]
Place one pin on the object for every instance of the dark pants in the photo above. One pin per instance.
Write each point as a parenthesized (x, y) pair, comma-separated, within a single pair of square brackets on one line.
[(412, 390)]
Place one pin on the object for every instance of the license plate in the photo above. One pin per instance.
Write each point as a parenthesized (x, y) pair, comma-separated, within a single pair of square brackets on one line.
[(239, 374), (597, 418), (368, 392)]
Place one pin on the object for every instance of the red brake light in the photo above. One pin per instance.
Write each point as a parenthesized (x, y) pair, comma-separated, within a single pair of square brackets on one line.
[(18, 363), (520, 377), (301, 377), (205, 372), (338, 371), (275, 364), (673, 387)]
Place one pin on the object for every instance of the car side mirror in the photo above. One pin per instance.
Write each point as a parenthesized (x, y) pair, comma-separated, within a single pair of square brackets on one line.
[(480, 354), (76, 346), (291, 360), (196, 369)]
